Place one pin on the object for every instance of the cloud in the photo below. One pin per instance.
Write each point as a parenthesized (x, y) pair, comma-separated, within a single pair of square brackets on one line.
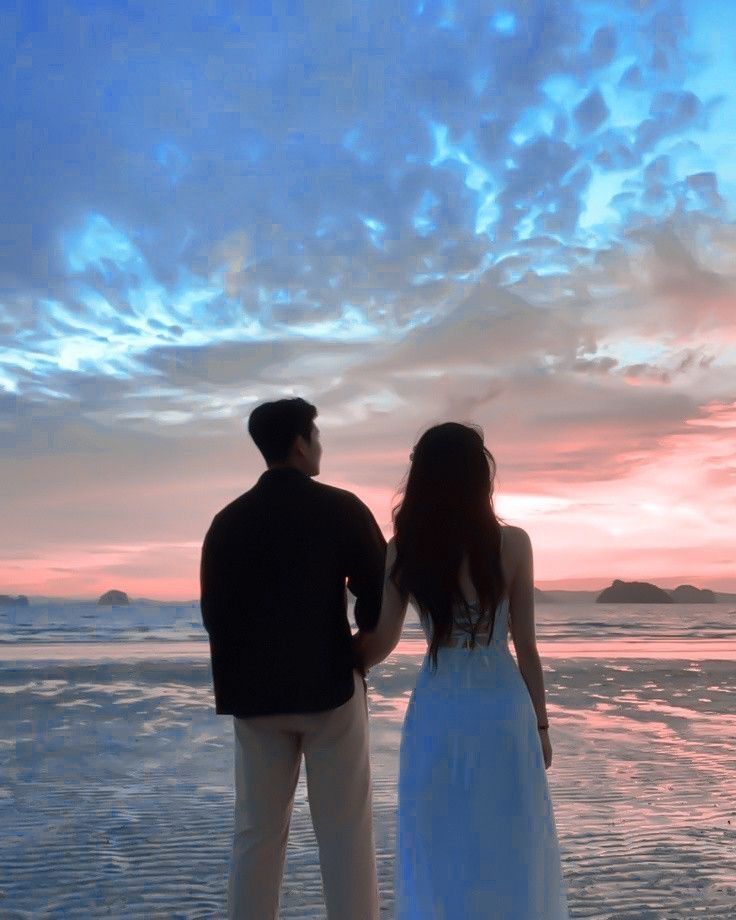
[(591, 112), (512, 213)]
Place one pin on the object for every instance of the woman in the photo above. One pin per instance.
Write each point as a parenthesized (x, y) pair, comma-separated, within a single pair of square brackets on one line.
[(476, 834)]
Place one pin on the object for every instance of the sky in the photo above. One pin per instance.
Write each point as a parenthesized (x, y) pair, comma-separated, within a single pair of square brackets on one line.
[(518, 214)]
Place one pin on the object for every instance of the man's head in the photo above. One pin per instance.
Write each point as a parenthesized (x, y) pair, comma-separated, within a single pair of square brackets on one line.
[(285, 433)]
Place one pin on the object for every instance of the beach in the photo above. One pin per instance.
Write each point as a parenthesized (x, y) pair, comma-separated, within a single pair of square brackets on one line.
[(117, 790)]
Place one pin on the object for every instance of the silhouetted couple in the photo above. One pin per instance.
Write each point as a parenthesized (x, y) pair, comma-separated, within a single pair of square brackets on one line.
[(476, 835)]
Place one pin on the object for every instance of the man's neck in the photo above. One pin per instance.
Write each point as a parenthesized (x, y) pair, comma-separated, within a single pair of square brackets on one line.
[(286, 466)]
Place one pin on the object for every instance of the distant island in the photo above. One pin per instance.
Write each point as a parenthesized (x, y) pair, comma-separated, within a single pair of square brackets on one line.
[(688, 594), (114, 598), (633, 592), (7, 601), (643, 592)]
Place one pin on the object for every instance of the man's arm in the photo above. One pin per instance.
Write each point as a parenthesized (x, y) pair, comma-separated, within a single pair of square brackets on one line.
[(214, 586), (366, 558)]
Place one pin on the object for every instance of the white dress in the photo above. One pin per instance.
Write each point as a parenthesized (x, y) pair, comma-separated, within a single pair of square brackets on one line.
[(476, 835)]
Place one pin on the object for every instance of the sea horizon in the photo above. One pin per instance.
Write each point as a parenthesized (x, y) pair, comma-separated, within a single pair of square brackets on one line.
[(565, 589)]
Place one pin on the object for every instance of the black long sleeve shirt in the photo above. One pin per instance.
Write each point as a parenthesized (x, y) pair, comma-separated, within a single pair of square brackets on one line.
[(275, 565)]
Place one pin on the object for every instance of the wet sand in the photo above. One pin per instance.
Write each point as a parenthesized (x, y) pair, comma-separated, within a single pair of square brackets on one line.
[(117, 780)]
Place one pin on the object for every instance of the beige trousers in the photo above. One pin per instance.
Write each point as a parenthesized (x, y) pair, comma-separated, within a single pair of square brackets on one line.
[(268, 752)]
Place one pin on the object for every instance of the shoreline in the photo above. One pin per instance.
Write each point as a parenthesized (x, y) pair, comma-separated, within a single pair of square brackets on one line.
[(634, 648)]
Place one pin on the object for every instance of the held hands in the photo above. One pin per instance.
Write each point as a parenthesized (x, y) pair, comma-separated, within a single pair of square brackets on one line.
[(546, 747)]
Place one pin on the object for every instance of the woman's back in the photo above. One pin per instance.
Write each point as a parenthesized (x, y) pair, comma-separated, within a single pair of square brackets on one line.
[(469, 618)]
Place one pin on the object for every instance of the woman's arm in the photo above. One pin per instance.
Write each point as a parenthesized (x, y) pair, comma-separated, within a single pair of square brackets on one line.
[(372, 647), (521, 603)]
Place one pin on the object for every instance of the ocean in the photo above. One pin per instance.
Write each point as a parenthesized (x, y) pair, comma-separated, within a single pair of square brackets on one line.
[(116, 786)]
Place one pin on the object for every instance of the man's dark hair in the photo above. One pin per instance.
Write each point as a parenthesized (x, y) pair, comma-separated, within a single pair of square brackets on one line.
[(274, 426)]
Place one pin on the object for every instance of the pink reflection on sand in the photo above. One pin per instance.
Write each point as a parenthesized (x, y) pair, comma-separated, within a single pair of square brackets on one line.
[(660, 649), (102, 651), (647, 722)]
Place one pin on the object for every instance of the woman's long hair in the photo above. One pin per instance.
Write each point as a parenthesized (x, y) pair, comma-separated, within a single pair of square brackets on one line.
[(447, 511)]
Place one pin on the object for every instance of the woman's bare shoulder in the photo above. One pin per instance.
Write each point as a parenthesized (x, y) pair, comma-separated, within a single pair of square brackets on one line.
[(514, 537), (516, 551)]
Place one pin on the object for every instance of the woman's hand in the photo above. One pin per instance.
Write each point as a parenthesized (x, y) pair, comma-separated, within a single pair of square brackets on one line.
[(546, 747)]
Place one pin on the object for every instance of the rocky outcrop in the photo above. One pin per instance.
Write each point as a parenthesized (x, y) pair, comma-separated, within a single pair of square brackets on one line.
[(542, 597), (689, 594), (7, 601), (633, 592), (114, 598)]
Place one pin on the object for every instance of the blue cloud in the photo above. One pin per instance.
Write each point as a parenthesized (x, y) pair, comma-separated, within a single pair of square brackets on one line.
[(182, 177), (591, 112)]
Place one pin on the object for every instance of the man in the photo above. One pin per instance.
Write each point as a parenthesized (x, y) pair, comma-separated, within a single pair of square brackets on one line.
[(275, 563)]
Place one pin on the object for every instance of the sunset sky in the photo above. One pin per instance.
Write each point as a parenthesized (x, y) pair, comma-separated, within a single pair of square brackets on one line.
[(518, 214)]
